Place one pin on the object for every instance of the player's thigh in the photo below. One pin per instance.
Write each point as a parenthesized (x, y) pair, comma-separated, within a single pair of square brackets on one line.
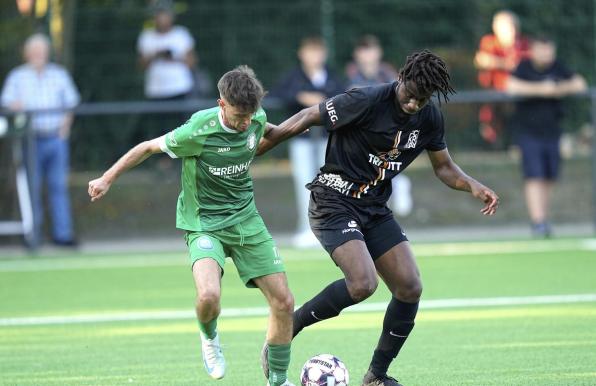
[(256, 260), (207, 257), (275, 288), (354, 260), (399, 270)]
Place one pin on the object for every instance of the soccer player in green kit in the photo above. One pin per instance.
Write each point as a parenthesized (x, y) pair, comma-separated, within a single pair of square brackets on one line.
[(217, 211)]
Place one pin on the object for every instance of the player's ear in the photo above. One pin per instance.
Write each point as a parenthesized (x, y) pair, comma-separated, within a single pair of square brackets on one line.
[(221, 103)]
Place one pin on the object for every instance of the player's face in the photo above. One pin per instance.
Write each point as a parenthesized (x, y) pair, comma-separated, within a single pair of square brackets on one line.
[(235, 117), (410, 100)]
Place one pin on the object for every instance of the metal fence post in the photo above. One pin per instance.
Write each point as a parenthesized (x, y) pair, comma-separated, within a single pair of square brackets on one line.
[(592, 94)]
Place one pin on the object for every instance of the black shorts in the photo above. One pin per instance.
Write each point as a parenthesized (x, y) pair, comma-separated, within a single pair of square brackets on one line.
[(336, 219), (540, 157)]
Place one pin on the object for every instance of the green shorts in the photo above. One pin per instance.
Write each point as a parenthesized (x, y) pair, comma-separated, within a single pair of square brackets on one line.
[(248, 243)]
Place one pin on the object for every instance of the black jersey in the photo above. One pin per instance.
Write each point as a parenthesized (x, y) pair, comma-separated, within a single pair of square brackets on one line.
[(371, 141)]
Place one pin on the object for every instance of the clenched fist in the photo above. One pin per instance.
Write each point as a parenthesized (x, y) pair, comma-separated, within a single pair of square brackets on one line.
[(98, 188)]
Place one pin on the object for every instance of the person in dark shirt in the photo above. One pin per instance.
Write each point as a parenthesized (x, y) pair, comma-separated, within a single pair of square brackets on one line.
[(310, 83), (542, 81), (374, 134)]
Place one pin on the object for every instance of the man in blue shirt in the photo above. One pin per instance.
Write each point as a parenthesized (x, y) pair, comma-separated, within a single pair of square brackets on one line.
[(41, 85)]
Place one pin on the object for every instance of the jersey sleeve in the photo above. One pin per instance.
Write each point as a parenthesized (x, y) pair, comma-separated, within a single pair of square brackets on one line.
[(185, 141), (437, 142), (346, 109)]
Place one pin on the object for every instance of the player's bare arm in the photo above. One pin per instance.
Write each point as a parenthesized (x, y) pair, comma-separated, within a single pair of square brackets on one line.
[(452, 175), (100, 186), (292, 126)]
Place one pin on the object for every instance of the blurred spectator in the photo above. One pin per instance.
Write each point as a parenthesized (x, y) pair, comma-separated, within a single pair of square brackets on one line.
[(307, 85), (499, 54), (542, 81), (168, 57), (39, 84), (368, 69)]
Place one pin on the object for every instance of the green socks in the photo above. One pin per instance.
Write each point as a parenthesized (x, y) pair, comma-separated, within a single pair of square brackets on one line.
[(279, 359), (208, 329)]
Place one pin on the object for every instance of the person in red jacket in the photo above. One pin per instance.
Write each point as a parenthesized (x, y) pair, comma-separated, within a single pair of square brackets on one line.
[(498, 55)]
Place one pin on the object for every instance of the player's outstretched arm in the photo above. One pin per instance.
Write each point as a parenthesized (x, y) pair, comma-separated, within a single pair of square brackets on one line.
[(451, 175), (292, 126), (100, 186)]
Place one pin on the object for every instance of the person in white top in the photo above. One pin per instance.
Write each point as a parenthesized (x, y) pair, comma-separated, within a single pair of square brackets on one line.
[(168, 58)]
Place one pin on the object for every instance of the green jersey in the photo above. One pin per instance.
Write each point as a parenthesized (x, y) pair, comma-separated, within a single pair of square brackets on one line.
[(217, 189)]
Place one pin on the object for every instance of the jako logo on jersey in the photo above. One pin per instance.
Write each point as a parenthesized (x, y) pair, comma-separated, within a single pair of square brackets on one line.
[(223, 149), (230, 170), (251, 141), (331, 111), (412, 139), (352, 224)]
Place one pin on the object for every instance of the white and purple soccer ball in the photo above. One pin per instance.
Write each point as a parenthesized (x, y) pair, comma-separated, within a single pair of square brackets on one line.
[(324, 370)]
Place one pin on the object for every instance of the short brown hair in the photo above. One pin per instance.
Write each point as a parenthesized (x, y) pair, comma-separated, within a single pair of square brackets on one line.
[(368, 41), (313, 41), (241, 88)]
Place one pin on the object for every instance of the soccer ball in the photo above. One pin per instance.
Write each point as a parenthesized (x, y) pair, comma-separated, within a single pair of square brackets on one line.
[(324, 370)]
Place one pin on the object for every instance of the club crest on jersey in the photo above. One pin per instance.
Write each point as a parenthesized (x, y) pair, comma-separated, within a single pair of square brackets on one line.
[(412, 139), (251, 141), (205, 242), (391, 155)]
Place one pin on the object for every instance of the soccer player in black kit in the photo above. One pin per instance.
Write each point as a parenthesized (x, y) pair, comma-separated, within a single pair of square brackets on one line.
[(374, 134)]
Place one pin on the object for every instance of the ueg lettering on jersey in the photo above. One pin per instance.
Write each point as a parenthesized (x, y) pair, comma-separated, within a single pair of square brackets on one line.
[(331, 111), (389, 165), (334, 181), (229, 171)]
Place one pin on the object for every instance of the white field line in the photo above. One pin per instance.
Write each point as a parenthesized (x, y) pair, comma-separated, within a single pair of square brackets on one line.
[(263, 311), (421, 250)]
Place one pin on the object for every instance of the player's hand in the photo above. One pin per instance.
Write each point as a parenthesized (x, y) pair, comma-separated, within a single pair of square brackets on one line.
[(98, 188), (487, 196)]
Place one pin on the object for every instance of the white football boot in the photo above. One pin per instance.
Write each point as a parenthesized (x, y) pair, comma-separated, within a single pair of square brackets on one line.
[(213, 358)]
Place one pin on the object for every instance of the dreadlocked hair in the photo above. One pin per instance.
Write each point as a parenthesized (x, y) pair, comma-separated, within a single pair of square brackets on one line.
[(429, 72)]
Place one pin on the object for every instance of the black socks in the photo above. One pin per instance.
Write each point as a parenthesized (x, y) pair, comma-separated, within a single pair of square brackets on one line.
[(327, 304), (398, 322)]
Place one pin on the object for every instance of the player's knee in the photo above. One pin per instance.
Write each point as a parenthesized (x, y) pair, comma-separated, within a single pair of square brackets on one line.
[(283, 303), (208, 298), (411, 291), (362, 289)]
